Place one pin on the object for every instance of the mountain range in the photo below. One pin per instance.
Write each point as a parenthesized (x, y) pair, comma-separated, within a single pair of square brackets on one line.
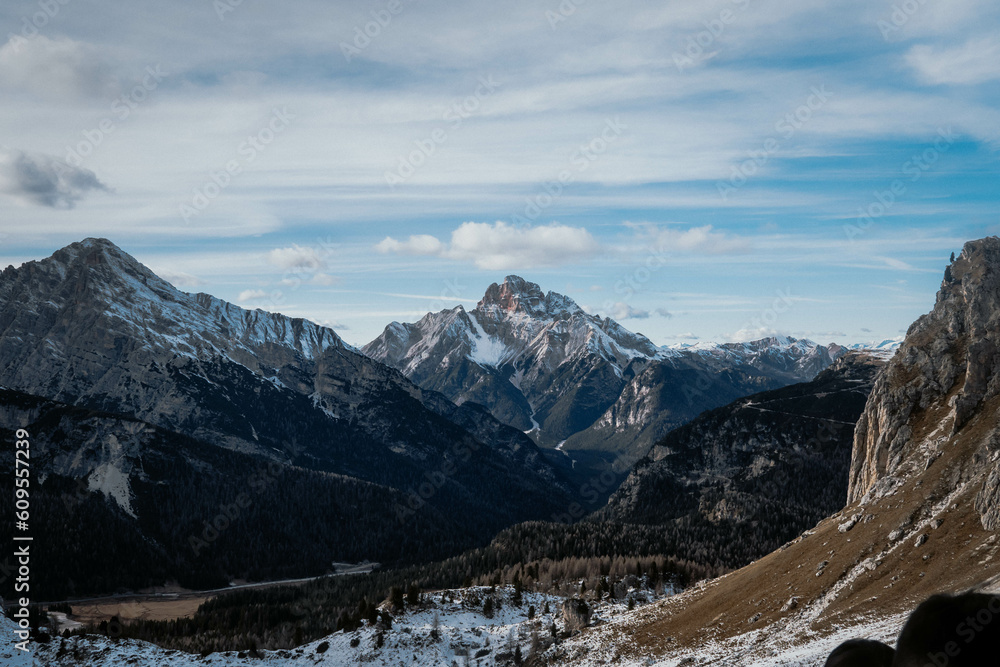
[(181, 387), (916, 483), (765, 467), (580, 382)]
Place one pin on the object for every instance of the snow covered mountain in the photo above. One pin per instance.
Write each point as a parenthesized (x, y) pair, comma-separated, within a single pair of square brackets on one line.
[(92, 328), (536, 360), (540, 363)]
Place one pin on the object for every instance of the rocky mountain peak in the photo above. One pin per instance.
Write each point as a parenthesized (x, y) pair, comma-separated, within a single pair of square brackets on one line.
[(97, 252), (514, 294), (941, 389)]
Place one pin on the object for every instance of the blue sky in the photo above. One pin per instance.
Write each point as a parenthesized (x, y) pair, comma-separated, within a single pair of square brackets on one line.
[(701, 171)]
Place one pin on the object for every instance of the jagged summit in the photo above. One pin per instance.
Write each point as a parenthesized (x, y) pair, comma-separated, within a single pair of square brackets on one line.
[(94, 283), (515, 295), (90, 259)]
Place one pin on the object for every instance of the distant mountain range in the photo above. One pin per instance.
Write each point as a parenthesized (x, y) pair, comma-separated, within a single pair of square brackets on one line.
[(578, 381)]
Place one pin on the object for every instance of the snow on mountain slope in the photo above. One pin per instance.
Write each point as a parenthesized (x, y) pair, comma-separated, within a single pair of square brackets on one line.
[(539, 362), (10, 655), (149, 309), (464, 635)]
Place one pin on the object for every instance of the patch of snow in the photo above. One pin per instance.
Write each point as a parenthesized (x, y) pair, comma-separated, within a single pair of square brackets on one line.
[(486, 350), (112, 482)]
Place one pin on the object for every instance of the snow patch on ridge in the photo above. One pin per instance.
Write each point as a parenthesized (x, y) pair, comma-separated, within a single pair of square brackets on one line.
[(486, 350)]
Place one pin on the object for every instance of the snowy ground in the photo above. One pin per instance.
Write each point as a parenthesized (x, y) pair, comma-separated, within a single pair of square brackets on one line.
[(466, 636)]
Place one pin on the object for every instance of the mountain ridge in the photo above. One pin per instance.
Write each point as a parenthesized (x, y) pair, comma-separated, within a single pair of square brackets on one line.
[(92, 328)]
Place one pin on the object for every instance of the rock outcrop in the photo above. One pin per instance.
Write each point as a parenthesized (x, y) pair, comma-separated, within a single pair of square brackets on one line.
[(949, 367)]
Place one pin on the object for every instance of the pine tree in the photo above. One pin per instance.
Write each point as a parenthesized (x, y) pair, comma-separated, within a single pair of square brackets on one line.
[(396, 597)]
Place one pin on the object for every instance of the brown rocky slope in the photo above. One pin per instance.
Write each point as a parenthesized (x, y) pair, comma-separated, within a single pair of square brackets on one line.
[(922, 509)]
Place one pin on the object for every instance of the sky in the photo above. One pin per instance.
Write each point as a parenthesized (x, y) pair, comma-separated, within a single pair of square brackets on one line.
[(699, 171)]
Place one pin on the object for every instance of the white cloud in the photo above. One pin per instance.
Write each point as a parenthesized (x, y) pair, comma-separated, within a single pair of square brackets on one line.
[(179, 278), (894, 263), (663, 312), (623, 311), (297, 257), (418, 244), (684, 336), (44, 180), (251, 296), (703, 240), (501, 246), (56, 68), (975, 61)]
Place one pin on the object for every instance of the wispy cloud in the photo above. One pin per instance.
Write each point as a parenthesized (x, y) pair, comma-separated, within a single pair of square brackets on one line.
[(975, 61), (624, 311)]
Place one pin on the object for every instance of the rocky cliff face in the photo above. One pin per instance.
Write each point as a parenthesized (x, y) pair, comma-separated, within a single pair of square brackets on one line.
[(947, 368)]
